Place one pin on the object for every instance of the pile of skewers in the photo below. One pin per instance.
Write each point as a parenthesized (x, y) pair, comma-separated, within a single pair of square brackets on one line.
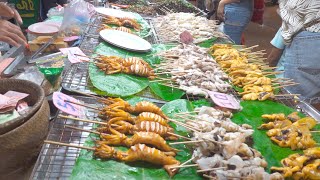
[(190, 68), (148, 126), (220, 148), (169, 27), (301, 166), (247, 70), (131, 65), (290, 131)]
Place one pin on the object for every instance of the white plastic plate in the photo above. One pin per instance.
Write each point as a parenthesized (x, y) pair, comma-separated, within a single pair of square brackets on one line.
[(44, 28), (125, 40)]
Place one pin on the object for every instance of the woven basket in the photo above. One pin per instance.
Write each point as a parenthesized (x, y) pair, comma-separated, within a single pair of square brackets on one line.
[(20, 147), (35, 99)]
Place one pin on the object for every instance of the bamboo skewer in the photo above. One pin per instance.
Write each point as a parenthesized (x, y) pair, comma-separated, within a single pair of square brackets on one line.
[(177, 135), (186, 142), (87, 106), (84, 120), (183, 166), (85, 130), (185, 125), (287, 95), (90, 95), (209, 177), (212, 169), (249, 48), (293, 84), (69, 145)]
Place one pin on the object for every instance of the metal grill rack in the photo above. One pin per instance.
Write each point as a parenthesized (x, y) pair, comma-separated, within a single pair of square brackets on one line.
[(56, 162)]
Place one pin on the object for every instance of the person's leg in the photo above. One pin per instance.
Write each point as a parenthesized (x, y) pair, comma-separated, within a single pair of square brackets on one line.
[(235, 23), (302, 64)]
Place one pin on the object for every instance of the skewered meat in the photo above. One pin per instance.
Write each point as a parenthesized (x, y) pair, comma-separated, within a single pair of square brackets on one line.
[(169, 27), (138, 152), (276, 124), (144, 126), (112, 65), (274, 117), (150, 138), (142, 106), (127, 22), (293, 116)]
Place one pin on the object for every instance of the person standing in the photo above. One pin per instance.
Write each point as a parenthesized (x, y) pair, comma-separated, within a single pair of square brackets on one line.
[(236, 15), (301, 35)]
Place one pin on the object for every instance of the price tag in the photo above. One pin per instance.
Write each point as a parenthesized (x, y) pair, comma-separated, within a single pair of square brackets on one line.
[(75, 55), (59, 100), (224, 100)]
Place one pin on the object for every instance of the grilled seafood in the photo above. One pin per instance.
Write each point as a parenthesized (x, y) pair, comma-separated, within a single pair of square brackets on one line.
[(144, 126), (140, 107), (114, 64), (145, 116), (150, 138), (124, 29), (104, 26), (145, 106), (127, 22), (138, 152)]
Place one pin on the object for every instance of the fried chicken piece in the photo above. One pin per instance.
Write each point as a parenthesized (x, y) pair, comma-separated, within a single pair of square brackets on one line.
[(274, 117), (293, 116), (276, 124)]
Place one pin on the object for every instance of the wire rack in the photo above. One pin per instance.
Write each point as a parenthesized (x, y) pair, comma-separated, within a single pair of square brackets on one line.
[(56, 162)]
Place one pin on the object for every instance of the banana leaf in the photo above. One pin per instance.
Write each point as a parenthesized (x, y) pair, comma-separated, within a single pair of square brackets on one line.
[(116, 85), (89, 168), (164, 92), (208, 43), (145, 27), (121, 85), (251, 114)]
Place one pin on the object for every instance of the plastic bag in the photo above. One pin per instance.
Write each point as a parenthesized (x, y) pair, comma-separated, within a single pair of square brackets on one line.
[(76, 16), (56, 11)]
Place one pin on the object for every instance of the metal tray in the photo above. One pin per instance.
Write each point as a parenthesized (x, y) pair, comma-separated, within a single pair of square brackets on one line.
[(57, 162)]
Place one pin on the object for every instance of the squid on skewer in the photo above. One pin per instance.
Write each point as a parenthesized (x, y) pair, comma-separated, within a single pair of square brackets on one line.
[(140, 107), (127, 22), (143, 126), (138, 152), (145, 116), (149, 138)]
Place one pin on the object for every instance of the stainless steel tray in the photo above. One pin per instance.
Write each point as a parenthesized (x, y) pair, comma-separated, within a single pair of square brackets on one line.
[(57, 162)]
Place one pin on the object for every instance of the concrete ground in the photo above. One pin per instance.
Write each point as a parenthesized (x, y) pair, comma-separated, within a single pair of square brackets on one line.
[(261, 35)]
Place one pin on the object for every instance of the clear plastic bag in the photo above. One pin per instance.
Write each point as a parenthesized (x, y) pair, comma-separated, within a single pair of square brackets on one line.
[(56, 11), (76, 16)]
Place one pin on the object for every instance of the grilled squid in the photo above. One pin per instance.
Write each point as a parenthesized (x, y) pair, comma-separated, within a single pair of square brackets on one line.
[(138, 152)]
